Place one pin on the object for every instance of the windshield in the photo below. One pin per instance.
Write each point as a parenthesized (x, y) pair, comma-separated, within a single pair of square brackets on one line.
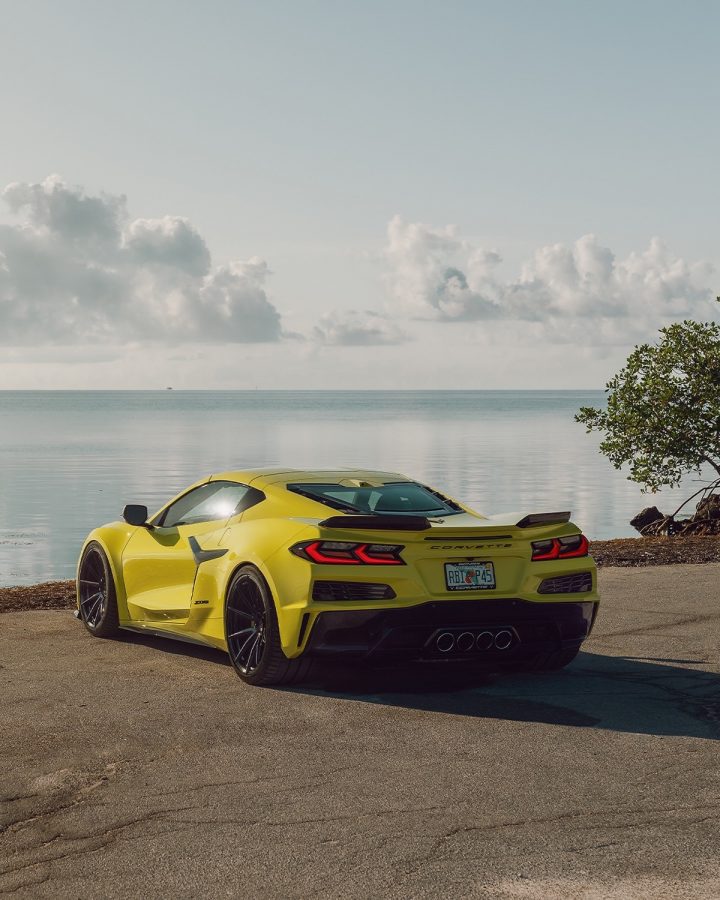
[(405, 497)]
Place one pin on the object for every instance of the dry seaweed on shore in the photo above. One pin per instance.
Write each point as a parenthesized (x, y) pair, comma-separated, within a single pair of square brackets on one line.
[(641, 551), (49, 595), (656, 551)]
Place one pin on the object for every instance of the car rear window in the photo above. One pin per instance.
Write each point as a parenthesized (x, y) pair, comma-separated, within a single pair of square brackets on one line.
[(407, 497)]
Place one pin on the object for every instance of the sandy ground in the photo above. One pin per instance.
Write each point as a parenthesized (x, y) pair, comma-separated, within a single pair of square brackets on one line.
[(143, 767)]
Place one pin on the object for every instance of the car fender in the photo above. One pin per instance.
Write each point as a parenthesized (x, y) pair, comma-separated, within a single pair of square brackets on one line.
[(265, 547), (113, 539)]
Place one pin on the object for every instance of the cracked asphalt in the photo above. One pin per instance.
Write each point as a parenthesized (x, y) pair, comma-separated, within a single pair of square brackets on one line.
[(143, 767)]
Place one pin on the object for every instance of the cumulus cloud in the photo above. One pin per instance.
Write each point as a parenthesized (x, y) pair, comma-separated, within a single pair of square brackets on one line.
[(433, 274), (170, 241), (359, 329), (77, 269), (52, 206)]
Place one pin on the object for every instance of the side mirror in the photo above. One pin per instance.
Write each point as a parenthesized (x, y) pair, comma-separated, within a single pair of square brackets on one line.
[(134, 514)]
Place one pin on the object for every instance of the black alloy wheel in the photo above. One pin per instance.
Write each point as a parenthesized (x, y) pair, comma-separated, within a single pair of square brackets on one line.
[(96, 593), (253, 635), (246, 624)]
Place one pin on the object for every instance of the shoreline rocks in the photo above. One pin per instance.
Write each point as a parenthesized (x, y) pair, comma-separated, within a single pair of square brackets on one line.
[(704, 521)]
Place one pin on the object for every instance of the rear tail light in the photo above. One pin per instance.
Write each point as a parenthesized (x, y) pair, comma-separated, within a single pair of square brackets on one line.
[(344, 553), (569, 547)]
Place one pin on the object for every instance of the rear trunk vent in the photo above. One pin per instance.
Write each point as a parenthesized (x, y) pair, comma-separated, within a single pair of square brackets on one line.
[(330, 591), (567, 584), (377, 523)]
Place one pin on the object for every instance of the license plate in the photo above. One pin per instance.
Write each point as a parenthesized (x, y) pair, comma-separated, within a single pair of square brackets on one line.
[(475, 576)]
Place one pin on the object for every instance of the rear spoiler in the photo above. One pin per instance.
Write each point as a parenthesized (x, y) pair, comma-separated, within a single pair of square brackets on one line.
[(552, 518), (377, 523)]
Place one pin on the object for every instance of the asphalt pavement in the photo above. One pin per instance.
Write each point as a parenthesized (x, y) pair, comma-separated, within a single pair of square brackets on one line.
[(142, 767)]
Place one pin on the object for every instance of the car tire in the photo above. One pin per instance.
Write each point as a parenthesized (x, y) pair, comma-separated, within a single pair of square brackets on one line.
[(97, 599), (252, 633)]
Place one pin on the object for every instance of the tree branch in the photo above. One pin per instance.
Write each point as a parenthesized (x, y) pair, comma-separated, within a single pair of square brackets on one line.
[(712, 463), (708, 488)]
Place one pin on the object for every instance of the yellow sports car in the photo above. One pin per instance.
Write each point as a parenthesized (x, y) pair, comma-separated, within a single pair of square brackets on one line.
[(281, 566)]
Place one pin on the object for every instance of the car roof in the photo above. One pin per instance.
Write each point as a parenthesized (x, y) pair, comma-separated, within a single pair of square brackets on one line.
[(278, 475)]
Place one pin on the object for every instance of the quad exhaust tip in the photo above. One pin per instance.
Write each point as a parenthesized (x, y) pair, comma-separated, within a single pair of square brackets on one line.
[(445, 642), (485, 640), (503, 639), (465, 641)]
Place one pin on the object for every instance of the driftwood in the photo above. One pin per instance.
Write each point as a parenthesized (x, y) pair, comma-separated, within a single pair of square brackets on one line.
[(704, 521)]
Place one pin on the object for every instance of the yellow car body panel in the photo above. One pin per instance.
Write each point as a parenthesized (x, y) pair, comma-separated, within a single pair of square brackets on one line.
[(161, 588)]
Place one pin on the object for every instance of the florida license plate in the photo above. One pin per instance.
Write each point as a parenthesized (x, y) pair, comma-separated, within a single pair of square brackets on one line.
[(475, 576)]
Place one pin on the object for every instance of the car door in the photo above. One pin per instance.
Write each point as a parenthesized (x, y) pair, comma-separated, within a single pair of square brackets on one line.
[(160, 561)]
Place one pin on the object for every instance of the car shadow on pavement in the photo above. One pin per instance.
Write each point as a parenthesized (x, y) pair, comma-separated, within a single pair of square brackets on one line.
[(626, 694), (640, 695)]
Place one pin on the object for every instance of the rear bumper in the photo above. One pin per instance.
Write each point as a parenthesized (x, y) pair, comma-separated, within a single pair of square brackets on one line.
[(478, 631)]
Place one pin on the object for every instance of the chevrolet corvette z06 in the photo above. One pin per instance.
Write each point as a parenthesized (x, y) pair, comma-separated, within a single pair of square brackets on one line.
[(279, 567)]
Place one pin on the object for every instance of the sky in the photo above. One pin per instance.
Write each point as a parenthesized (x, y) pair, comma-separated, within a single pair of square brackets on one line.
[(352, 195)]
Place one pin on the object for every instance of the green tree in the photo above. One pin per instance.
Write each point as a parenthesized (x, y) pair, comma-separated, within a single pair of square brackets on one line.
[(663, 408)]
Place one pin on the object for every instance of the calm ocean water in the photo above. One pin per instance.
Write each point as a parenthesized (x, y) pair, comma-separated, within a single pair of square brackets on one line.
[(70, 460)]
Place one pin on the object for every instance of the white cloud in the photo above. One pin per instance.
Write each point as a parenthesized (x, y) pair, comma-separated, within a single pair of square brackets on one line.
[(170, 241), (77, 269), (578, 290), (358, 329)]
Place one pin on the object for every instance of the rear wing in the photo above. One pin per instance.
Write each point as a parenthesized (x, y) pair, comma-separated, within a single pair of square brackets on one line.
[(377, 523), (420, 523), (551, 518)]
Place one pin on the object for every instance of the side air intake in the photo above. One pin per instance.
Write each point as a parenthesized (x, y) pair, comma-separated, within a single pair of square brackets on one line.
[(332, 591), (567, 584)]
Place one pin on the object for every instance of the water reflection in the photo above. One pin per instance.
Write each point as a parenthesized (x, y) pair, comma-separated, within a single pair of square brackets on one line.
[(70, 460)]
